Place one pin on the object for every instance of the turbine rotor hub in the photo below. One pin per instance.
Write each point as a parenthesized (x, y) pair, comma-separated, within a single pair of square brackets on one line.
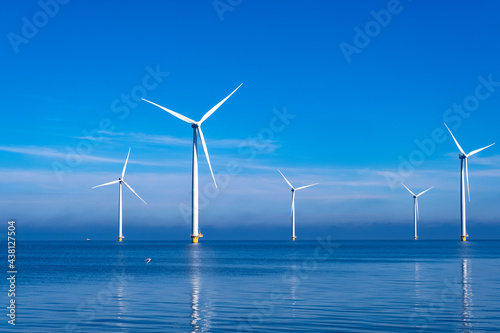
[(195, 126)]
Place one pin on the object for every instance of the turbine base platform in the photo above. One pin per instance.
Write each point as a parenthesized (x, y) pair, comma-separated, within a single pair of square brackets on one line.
[(293, 238), (416, 237), (195, 238), (120, 239), (464, 238)]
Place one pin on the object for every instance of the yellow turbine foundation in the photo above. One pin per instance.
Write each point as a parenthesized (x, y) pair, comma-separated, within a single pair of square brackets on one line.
[(464, 238), (416, 237), (120, 239), (194, 239), (293, 238)]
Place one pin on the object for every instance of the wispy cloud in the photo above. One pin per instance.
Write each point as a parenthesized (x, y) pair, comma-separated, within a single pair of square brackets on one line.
[(258, 146), (160, 139), (486, 173), (359, 196), (59, 155), (263, 146), (100, 136), (490, 160), (33, 150), (478, 159)]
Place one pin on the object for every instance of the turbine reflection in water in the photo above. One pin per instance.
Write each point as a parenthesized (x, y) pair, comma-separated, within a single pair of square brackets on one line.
[(195, 300), (120, 288), (417, 280), (294, 283), (201, 306), (194, 271), (467, 306)]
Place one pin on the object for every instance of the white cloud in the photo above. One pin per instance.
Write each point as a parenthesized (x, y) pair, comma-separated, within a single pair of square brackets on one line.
[(59, 155), (490, 160)]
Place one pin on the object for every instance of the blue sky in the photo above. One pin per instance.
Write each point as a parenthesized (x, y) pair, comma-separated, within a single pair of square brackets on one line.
[(347, 95)]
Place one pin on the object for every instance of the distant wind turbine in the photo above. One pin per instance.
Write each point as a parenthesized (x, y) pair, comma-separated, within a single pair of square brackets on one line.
[(293, 202), (463, 164), (196, 125), (415, 206), (120, 181)]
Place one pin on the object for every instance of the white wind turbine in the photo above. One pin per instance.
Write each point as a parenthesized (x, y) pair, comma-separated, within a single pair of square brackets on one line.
[(196, 125), (293, 202), (415, 206), (121, 181), (464, 178)]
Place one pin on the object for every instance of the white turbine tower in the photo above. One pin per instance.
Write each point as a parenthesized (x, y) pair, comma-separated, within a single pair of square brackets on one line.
[(121, 181), (293, 202), (196, 125), (415, 207), (464, 178)]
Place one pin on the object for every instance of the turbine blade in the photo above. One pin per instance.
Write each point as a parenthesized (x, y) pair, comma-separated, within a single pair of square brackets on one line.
[(110, 183), (408, 190), (206, 153), (130, 188), (125, 166), (300, 188), (416, 208), (424, 191), (286, 179), (478, 150), (459, 148), (467, 178), (173, 113), (212, 110)]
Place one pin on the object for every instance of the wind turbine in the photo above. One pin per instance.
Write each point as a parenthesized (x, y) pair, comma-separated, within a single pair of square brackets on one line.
[(415, 206), (196, 125), (463, 164), (293, 202), (121, 181)]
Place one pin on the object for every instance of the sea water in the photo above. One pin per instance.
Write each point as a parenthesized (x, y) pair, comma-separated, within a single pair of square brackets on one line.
[(323, 285)]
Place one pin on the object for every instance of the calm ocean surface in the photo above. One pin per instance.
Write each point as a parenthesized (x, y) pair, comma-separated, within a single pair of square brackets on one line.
[(306, 286)]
